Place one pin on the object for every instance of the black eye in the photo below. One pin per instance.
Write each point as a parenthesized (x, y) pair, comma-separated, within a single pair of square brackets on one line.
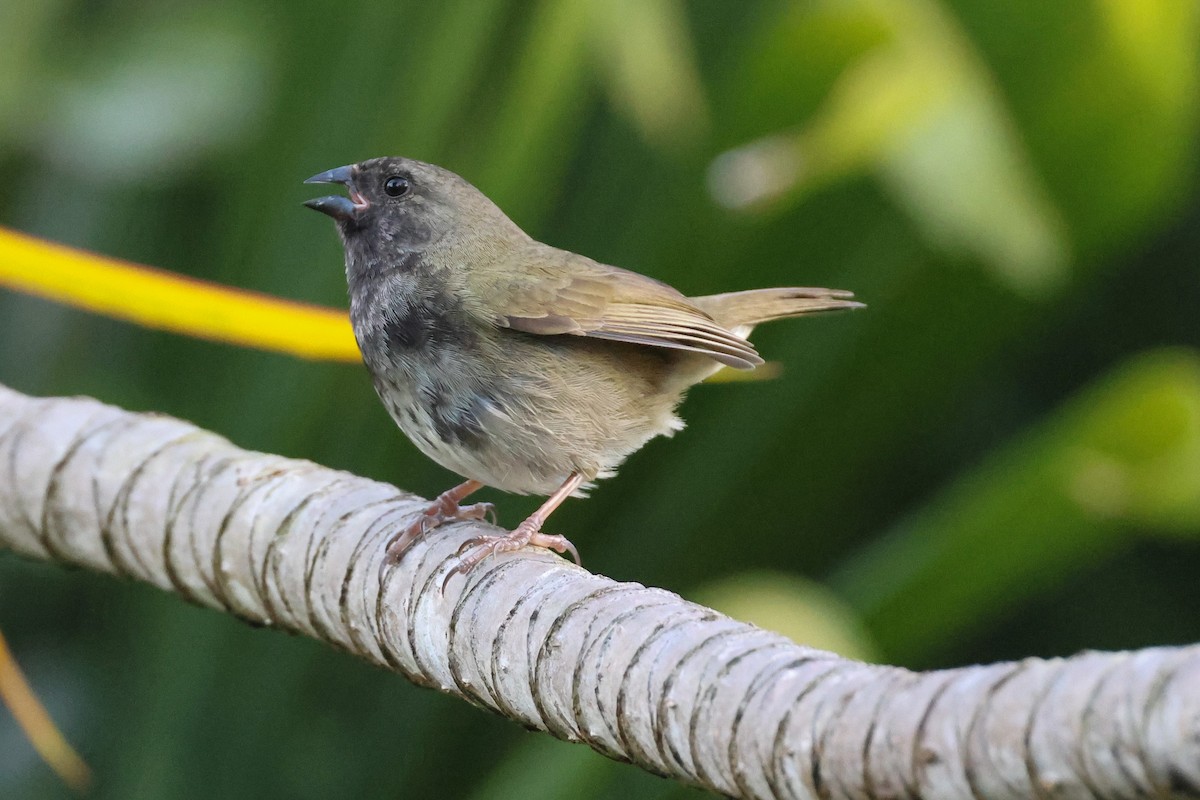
[(396, 186)]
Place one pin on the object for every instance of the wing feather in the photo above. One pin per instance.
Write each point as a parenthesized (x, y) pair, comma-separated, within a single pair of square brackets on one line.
[(583, 298)]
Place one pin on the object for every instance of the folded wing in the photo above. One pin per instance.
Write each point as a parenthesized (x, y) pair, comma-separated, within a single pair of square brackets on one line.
[(564, 294)]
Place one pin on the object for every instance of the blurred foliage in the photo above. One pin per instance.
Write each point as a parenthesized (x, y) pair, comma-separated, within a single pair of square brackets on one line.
[(997, 459), (801, 609), (161, 300), (40, 731), (1124, 458)]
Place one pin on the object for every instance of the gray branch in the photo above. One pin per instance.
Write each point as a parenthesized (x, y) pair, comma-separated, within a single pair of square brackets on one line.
[(636, 673)]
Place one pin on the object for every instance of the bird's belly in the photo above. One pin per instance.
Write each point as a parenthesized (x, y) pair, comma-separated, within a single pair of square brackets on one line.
[(526, 433)]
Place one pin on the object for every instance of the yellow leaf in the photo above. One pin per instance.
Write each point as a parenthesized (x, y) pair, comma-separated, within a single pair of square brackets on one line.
[(31, 715), (159, 299)]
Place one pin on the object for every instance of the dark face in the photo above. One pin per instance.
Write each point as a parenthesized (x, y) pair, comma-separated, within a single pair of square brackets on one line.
[(395, 204)]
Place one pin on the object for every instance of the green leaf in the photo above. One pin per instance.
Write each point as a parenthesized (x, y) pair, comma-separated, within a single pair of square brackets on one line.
[(802, 610), (920, 110), (647, 64), (1122, 457)]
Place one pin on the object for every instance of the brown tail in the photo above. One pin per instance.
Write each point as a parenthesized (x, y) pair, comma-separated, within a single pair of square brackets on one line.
[(744, 310)]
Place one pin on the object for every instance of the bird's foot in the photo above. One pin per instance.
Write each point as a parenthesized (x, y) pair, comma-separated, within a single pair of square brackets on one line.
[(528, 532), (444, 509)]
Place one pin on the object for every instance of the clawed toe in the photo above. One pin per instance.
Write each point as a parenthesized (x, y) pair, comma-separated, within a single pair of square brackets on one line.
[(476, 542), (398, 545), (477, 511), (444, 509), (559, 544), (447, 508), (479, 548), (474, 550)]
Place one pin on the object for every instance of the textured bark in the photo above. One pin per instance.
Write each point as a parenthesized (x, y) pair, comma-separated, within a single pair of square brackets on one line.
[(636, 673)]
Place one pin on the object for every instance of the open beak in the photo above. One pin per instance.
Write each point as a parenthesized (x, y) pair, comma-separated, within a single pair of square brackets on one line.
[(336, 206)]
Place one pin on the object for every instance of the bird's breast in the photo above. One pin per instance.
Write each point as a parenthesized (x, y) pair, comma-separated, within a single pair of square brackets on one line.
[(409, 319)]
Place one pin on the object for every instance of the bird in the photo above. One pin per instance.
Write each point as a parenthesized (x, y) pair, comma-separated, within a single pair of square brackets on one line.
[(513, 363)]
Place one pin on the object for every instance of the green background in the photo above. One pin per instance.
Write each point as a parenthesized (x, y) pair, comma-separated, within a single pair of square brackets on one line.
[(999, 458)]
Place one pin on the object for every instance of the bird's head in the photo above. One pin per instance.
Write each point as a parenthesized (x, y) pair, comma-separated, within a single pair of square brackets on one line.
[(400, 204)]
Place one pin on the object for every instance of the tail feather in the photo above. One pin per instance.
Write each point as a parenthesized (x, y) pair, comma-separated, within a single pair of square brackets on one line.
[(741, 311)]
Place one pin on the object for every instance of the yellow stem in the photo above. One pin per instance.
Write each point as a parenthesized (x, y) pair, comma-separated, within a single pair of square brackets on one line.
[(34, 720), (158, 299)]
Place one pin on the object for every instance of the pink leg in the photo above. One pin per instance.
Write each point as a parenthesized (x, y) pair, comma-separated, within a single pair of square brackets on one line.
[(528, 532), (444, 509)]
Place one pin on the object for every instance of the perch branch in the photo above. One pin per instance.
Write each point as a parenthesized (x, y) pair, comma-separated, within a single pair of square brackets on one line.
[(636, 673)]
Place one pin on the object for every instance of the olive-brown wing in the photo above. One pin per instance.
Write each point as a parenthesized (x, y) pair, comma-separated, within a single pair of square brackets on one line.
[(575, 296)]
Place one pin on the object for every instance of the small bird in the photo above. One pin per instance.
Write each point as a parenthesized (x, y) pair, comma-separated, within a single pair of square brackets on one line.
[(516, 364)]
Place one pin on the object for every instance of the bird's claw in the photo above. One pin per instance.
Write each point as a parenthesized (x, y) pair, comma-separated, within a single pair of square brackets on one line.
[(479, 548), (438, 513)]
